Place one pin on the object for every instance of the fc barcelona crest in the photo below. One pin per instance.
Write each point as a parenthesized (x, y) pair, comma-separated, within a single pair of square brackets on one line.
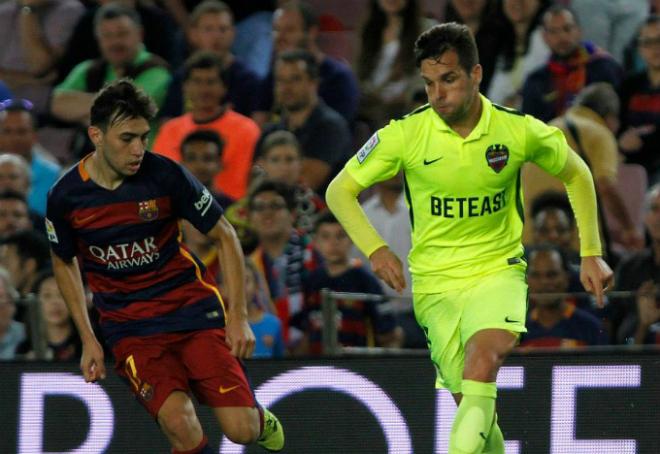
[(146, 391), (497, 156), (148, 210)]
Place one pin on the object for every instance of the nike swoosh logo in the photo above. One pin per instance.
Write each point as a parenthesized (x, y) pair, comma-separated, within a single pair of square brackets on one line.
[(84, 220), (483, 435), (226, 390), (432, 160), (508, 320)]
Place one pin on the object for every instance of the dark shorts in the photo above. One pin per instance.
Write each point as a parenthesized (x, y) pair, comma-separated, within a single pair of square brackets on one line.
[(196, 362)]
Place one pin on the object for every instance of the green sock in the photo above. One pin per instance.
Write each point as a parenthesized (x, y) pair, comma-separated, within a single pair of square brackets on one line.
[(495, 442), (474, 418)]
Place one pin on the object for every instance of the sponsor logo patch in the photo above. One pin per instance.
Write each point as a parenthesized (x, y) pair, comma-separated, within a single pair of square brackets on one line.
[(367, 148), (204, 202), (50, 231), (497, 156)]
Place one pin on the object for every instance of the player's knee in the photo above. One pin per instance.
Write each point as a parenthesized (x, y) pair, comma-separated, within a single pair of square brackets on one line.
[(482, 364), (182, 426), (242, 430)]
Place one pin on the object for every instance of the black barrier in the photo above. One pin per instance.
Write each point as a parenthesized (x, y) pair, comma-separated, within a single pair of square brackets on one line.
[(569, 403)]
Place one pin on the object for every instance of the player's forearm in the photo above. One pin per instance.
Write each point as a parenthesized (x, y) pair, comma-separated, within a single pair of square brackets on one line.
[(233, 267), (72, 106), (67, 275), (341, 198), (582, 195)]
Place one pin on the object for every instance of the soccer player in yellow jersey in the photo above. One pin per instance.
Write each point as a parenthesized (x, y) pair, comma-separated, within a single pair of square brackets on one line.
[(461, 156)]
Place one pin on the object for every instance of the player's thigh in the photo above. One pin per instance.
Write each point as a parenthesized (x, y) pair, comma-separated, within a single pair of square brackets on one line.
[(496, 301), (216, 377), (150, 369), (439, 316)]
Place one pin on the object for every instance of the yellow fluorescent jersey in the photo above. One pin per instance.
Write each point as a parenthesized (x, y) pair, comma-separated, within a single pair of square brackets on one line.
[(464, 195)]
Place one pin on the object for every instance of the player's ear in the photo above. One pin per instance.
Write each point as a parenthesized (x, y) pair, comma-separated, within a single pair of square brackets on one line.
[(95, 135)]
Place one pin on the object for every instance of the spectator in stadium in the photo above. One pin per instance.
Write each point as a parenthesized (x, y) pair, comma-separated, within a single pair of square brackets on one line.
[(636, 319), (361, 322), (14, 213), (254, 27), (296, 27), (574, 64), (211, 28), (201, 153), (119, 31), (283, 257), (18, 135), (15, 176), (60, 335), (34, 34), (205, 86), (323, 134), (159, 32), (484, 18), (590, 127), (386, 72), (640, 97), (522, 51), (554, 222), (267, 328), (610, 24), (24, 254), (12, 332), (556, 321), (279, 159)]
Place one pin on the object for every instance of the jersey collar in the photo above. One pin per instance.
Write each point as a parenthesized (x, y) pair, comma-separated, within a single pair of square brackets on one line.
[(481, 127)]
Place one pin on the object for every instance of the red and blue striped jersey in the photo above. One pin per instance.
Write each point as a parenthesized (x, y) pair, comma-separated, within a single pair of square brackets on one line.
[(144, 280)]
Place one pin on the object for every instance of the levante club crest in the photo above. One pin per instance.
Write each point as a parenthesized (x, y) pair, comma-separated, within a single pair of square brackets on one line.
[(148, 210), (497, 156)]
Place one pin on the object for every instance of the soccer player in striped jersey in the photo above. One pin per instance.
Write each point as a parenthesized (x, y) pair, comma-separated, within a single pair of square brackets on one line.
[(116, 214)]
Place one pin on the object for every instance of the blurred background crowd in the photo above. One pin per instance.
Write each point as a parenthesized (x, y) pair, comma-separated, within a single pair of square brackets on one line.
[(264, 101)]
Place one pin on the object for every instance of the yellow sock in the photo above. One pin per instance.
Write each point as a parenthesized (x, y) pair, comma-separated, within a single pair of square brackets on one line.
[(474, 418), (495, 442)]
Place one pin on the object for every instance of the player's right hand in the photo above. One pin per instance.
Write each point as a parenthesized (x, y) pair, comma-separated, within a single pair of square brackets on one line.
[(91, 361), (387, 266)]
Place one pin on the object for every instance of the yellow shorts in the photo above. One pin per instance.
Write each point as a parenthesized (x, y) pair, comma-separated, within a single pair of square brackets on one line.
[(449, 319)]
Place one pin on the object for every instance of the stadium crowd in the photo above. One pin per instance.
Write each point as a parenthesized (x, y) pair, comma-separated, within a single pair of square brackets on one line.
[(264, 101)]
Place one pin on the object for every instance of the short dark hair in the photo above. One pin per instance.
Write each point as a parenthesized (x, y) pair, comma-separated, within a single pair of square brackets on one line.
[(203, 135), (309, 15), (325, 217), (553, 200), (295, 55), (204, 59), (281, 189), (114, 10), (209, 7), (549, 247), (276, 139), (557, 8), (30, 244), (41, 277), (121, 100), (444, 37)]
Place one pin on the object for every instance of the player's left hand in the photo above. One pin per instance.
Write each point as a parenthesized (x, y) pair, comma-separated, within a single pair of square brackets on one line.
[(239, 337), (596, 277)]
